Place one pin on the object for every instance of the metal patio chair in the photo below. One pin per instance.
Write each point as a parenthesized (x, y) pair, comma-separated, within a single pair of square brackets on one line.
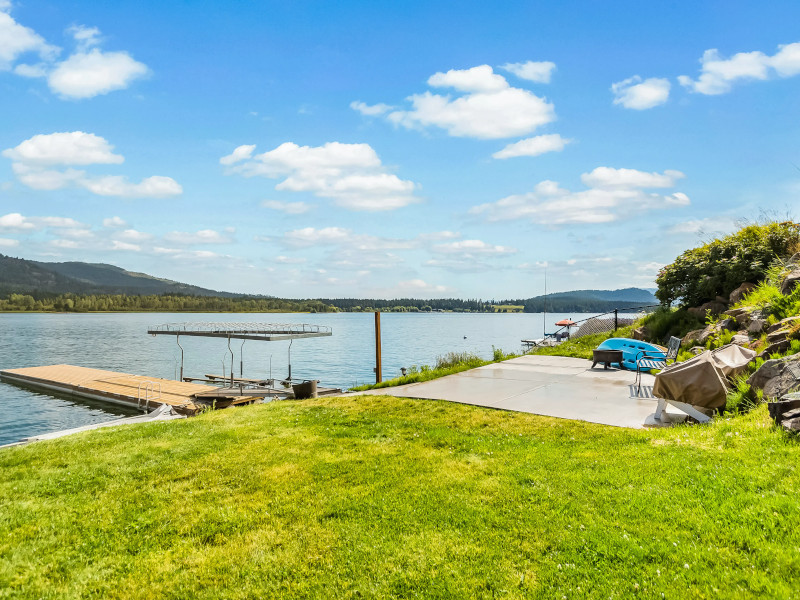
[(646, 361)]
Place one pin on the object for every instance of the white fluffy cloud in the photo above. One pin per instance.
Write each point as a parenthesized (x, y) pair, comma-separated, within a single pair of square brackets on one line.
[(17, 40), (93, 73), (18, 222), (66, 148), (34, 157), (487, 107), (156, 186), (718, 74), (612, 194), (351, 175), (114, 222), (87, 72), (641, 94), (241, 153), (533, 146), (539, 72), (8, 243), (372, 110), (15, 222), (125, 246), (473, 247)]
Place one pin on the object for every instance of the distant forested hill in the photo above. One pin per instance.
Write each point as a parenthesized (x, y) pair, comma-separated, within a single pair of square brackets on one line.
[(20, 275), (588, 300)]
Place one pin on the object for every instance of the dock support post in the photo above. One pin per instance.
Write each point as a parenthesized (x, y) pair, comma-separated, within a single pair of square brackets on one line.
[(378, 370), (178, 339), (231, 351), (616, 319)]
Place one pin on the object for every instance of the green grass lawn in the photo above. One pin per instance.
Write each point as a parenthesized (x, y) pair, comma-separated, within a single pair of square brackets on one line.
[(378, 497)]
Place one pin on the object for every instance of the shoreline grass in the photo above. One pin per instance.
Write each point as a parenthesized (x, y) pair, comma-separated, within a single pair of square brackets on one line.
[(447, 364), (382, 497)]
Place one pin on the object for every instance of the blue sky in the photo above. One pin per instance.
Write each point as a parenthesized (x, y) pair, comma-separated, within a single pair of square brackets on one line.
[(375, 149)]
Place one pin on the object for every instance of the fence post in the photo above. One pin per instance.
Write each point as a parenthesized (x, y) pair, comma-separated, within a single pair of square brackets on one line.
[(616, 320)]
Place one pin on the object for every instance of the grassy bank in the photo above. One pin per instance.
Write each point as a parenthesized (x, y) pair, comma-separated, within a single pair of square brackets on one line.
[(448, 364), (381, 497)]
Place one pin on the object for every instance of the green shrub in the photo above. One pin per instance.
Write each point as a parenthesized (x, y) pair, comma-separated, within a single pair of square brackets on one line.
[(452, 359), (720, 266), (786, 306), (742, 397), (666, 322)]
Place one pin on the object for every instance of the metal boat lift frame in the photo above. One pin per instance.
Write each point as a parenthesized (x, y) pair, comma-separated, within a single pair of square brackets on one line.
[(268, 332)]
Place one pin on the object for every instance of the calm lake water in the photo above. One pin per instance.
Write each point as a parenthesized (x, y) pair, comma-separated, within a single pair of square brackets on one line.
[(119, 342)]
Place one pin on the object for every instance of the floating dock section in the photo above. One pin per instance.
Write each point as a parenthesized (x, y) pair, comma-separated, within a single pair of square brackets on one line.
[(138, 391)]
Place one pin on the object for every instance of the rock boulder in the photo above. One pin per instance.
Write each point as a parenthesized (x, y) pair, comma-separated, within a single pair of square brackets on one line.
[(790, 282), (777, 376)]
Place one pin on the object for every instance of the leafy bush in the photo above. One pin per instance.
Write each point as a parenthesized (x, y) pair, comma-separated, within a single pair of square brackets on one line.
[(786, 306), (742, 397), (666, 322), (720, 266)]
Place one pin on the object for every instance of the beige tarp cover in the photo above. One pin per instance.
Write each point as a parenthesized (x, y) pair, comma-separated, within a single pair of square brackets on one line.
[(732, 359), (701, 381)]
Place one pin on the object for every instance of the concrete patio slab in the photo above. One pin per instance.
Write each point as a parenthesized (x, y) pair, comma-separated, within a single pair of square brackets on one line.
[(554, 386)]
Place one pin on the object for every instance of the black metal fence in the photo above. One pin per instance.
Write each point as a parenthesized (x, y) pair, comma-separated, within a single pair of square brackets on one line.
[(604, 322)]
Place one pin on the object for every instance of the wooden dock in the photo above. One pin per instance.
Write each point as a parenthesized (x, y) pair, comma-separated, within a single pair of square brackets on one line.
[(111, 386)]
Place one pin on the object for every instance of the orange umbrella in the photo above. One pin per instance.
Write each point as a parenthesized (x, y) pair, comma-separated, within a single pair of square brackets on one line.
[(565, 323)]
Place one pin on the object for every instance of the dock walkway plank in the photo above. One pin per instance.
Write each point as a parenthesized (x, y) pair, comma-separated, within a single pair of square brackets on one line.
[(123, 388)]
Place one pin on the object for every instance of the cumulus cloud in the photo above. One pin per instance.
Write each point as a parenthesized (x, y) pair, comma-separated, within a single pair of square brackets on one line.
[(718, 74), (87, 72), (15, 222), (8, 243), (66, 148), (473, 247), (18, 222), (125, 246), (35, 162), (241, 153), (370, 110), (639, 94), (17, 40), (612, 194), (290, 208), (132, 235), (538, 72), (486, 106), (533, 146), (156, 186), (114, 222), (93, 73), (467, 256), (351, 175)]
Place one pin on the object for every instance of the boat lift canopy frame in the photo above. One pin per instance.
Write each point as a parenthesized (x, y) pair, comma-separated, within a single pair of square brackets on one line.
[(268, 332)]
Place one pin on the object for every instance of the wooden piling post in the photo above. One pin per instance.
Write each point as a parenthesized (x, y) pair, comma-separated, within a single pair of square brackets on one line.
[(378, 377)]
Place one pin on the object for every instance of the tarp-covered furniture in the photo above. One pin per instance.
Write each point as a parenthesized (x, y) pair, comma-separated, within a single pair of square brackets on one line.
[(700, 384), (649, 360)]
